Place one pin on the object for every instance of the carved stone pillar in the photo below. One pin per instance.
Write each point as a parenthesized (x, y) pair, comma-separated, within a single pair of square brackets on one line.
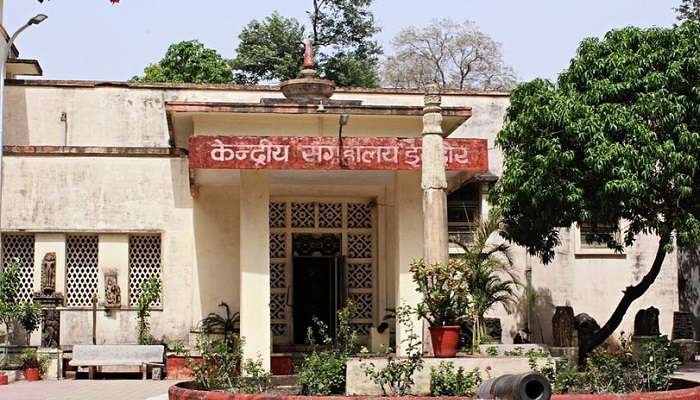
[(434, 181)]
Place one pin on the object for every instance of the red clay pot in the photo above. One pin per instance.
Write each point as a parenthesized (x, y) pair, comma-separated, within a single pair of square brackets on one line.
[(4, 379), (445, 340), (31, 374), (177, 367)]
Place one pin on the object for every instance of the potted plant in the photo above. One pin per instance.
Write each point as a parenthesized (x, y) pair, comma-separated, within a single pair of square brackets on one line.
[(34, 364), (490, 275), (176, 366), (445, 302)]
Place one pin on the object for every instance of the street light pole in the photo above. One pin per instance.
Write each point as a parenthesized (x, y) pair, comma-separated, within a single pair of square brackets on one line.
[(5, 49)]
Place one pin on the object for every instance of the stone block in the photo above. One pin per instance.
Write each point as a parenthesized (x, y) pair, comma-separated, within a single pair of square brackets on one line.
[(378, 342)]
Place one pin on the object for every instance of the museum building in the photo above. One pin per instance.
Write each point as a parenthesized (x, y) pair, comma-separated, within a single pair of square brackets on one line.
[(279, 206)]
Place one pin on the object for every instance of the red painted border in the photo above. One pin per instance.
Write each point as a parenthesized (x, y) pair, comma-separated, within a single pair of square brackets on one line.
[(322, 153), (179, 393)]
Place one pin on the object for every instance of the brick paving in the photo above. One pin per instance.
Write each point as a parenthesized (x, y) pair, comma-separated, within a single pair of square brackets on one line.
[(87, 390)]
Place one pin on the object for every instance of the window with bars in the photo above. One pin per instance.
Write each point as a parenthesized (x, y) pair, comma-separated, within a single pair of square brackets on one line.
[(144, 263), (81, 269), (595, 237), (19, 247)]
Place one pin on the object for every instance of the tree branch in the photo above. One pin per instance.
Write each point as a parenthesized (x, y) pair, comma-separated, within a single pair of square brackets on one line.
[(631, 293)]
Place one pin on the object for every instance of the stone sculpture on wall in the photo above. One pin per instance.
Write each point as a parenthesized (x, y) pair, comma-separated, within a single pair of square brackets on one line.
[(51, 328), (563, 326), (646, 322), (48, 274), (113, 297)]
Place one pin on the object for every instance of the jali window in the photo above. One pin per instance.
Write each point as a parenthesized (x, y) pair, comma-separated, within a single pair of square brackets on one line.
[(144, 263), (81, 269), (19, 247)]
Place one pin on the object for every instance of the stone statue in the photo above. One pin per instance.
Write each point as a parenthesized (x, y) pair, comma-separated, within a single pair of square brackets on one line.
[(51, 329), (113, 297), (646, 322), (563, 326), (48, 273)]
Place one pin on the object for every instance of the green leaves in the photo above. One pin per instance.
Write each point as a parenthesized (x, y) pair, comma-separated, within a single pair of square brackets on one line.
[(617, 138), (188, 62), (269, 50)]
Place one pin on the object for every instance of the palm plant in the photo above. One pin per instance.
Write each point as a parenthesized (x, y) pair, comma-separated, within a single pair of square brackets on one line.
[(490, 274), (215, 323)]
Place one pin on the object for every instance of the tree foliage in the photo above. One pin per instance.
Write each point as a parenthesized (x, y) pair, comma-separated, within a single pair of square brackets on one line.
[(688, 10), (455, 55), (617, 138), (270, 49), (342, 31), (188, 61)]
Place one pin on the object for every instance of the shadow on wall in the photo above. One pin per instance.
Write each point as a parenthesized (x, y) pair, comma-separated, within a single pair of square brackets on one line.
[(689, 284), (534, 314)]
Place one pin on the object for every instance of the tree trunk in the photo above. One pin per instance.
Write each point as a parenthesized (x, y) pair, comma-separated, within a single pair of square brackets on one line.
[(631, 293)]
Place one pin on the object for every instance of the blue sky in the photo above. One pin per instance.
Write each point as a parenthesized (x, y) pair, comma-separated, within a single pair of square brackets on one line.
[(92, 39)]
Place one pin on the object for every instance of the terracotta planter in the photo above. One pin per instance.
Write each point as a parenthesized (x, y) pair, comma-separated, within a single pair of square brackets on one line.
[(445, 340), (177, 367), (282, 364), (4, 379), (31, 374)]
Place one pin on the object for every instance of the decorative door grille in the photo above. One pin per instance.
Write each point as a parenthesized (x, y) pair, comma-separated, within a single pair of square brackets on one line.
[(355, 222), (144, 263), (20, 247), (81, 269)]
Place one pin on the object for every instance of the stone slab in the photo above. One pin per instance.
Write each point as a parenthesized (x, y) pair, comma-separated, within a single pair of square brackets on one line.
[(89, 355)]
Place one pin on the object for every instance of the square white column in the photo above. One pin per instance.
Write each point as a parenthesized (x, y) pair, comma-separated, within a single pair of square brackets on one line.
[(408, 200), (255, 265)]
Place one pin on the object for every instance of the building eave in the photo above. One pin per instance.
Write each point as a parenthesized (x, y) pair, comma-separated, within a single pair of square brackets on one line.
[(22, 66), (236, 87)]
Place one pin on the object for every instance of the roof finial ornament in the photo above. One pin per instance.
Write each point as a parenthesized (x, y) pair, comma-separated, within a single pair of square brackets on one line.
[(308, 87), (309, 54)]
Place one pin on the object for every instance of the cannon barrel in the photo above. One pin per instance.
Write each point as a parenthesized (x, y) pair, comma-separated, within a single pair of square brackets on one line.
[(527, 386)]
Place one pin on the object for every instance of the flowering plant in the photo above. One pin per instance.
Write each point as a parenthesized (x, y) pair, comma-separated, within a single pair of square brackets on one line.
[(445, 292)]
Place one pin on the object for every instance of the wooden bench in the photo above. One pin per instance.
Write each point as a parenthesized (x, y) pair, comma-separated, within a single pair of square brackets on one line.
[(93, 356)]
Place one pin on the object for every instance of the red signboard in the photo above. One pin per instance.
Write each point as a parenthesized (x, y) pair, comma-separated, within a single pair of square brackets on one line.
[(327, 153)]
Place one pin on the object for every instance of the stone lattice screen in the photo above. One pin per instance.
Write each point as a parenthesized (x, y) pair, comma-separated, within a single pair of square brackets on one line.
[(81, 269), (144, 262), (20, 247)]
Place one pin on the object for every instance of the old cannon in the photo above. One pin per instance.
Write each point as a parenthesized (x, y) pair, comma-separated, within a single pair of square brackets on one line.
[(527, 386)]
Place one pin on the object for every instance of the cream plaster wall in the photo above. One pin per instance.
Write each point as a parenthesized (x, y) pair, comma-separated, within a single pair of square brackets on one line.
[(51, 195)]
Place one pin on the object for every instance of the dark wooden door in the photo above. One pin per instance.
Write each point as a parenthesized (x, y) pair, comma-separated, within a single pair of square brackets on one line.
[(319, 291)]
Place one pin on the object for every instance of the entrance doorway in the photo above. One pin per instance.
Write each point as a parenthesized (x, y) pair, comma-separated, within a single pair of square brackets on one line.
[(319, 283)]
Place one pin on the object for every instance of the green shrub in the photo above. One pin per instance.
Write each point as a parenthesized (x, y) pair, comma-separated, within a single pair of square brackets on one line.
[(150, 292), (562, 375), (29, 317), (219, 366), (323, 371), (396, 378), (178, 347), (255, 379), (658, 361), (492, 351), (608, 372), (445, 381)]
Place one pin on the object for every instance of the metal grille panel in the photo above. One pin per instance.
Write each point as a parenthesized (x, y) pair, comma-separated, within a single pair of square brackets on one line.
[(144, 262), (81, 269), (359, 276), (330, 215), (359, 215), (20, 247), (360, 246), (278, 215), (303, 215), (277, 306), (278, 245)]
